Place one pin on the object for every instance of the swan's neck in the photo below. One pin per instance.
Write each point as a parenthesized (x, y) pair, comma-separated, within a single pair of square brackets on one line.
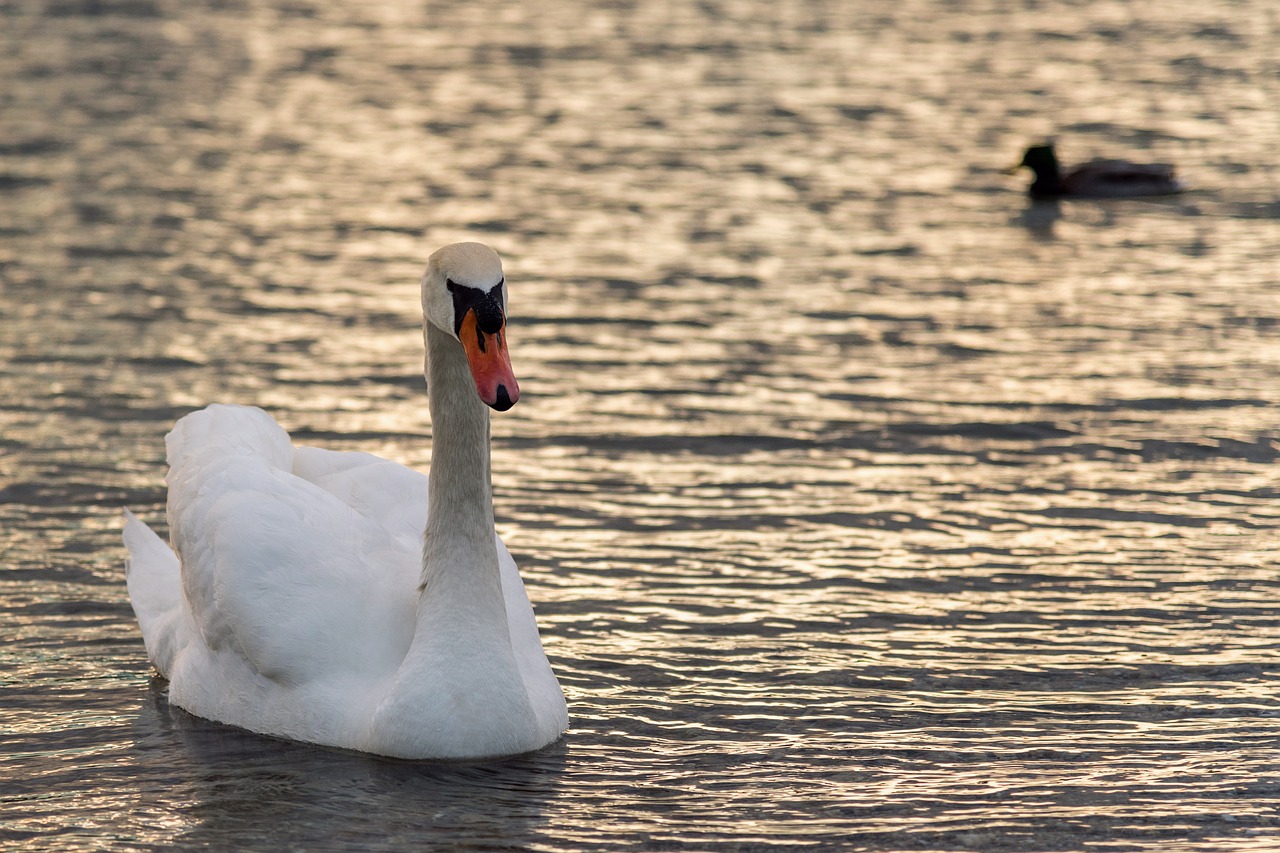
[(459, 691), (459, 557), (461, 498)]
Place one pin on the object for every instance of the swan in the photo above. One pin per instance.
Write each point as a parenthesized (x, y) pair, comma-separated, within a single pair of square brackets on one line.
[(302, 598), (1095, 179)]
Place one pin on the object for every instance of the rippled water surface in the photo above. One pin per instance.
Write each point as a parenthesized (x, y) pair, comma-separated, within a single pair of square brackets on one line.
[(864, 504)]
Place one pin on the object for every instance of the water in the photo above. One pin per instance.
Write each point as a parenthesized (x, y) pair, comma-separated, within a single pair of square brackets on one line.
[(864, 504)]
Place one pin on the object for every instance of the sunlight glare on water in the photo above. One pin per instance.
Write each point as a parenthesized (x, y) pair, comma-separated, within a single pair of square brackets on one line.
[(864, 504)]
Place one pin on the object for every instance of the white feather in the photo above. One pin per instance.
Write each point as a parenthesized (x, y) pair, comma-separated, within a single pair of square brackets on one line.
[(299, 600)]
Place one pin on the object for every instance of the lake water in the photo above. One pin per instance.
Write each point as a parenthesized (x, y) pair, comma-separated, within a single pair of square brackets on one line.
[(864, 504)]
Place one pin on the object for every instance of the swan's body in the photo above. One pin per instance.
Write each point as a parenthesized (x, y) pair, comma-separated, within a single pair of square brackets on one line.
[(302, 597), (1095, 179)]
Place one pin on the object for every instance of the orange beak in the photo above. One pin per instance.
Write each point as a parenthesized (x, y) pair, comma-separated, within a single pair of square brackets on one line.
[(490, 363)]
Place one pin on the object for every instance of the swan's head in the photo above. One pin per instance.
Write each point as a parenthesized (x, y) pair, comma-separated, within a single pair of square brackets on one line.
[(463, 294)]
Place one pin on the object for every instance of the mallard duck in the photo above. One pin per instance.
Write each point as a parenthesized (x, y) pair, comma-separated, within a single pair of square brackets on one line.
[(301, 597), (1095, 179)]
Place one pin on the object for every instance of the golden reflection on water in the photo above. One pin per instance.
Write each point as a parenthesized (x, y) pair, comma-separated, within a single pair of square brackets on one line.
[(864, 503)]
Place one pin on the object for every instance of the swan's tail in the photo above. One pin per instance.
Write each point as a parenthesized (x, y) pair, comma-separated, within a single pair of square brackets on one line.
[(155, 590)]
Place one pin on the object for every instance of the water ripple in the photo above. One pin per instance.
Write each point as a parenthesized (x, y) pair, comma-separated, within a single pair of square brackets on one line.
[(864, 504)]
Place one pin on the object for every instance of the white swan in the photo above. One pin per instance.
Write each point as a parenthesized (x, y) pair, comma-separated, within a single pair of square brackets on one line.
[(304, 599)]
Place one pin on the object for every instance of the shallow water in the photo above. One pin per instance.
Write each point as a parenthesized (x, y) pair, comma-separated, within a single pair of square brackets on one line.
[(864, 504)]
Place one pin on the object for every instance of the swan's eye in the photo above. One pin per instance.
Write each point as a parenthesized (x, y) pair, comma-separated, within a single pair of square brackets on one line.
[(487, 306)]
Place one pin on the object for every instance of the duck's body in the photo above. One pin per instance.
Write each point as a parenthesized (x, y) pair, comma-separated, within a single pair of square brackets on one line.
[(301, 598), (1097, 178)]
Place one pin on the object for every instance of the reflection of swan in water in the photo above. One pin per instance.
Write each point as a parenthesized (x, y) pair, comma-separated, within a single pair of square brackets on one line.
[(220, 788), (310, 605), (1096, 179)]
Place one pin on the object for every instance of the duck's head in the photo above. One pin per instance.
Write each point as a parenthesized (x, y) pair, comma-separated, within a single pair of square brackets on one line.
[(464, 295), (1039, 158)]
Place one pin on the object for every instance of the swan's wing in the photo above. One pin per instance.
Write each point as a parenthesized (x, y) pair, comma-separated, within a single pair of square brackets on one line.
[(276, 570)]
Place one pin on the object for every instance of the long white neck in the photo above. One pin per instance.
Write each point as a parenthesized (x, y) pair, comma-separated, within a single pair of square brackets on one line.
[(459, 556), (459, 691)]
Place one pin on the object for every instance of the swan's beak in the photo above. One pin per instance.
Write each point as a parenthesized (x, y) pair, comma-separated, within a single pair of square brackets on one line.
[(490, 363)]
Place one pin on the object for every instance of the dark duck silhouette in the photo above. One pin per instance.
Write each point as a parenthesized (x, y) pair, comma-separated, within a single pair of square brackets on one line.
[(1095, 179)]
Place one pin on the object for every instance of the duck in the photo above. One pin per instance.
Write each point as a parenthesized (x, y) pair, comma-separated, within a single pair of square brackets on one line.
[(341, 599), (1095, 179)]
